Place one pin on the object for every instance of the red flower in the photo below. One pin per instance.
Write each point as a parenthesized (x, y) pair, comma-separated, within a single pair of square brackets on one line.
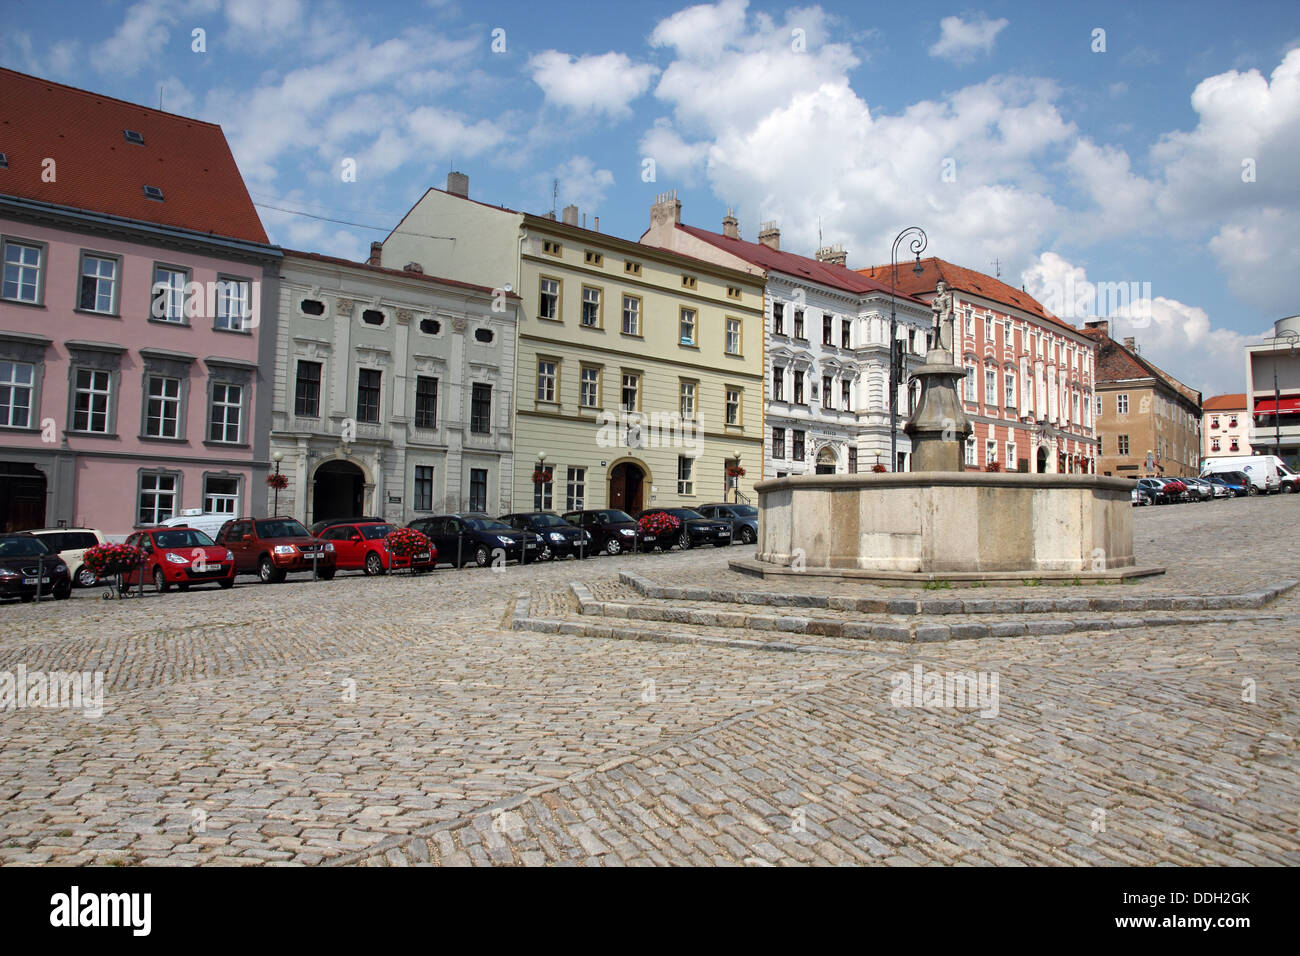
[(735, 471), (406, 542), (659, 522), (277, 480), (541, 477), (105, 559)]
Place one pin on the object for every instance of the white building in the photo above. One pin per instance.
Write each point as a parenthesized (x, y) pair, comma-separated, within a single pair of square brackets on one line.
[(1273, 392)]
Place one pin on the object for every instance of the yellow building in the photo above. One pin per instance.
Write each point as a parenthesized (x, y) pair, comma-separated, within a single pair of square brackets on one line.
[(639, 371)]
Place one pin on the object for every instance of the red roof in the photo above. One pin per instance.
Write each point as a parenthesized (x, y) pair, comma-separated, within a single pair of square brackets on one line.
[(1225, 403), (335, 260), (99, 171), (967, 280), (792, 264)]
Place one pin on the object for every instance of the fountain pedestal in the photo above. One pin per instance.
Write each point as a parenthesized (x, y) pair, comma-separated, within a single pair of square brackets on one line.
[(938, 427)]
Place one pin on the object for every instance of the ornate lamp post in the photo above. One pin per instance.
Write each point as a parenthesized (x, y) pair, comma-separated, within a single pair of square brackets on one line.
[(277, 457), (916, 245), (1291, 338)]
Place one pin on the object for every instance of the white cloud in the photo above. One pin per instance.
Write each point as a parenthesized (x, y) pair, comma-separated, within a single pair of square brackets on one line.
[(603, 84), (581, 183), (962, 40), (140, 39)]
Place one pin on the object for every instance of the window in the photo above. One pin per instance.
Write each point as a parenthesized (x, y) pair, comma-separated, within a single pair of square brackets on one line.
[(733, 292), (480, 413), (778, 383), (589, 387), (312, 307), (798, 323), (1076, 407), (234, 305), (90, 401), (988, 329), (575, 489), (306, 396), (990, 386), (157, 498), (16, 380), (685, 466), (631, 391), (98, 284), (478, 488), (970, 333), (853, 460), (220, 495), (798, 388), (632, 268), (846, 395), (133, 136), (828, 330), (1009, 387), (1098, 406), (590, 307), (224, 416), (163, 408), (484, 335), (968, 385), (846, 333), (1007, 337), (543, 491), (687, 327), (631, 315), (688, 401), (1214, 444), (549, 307), (430, 326), (423, 497), (778, 443), (1121, 404), (546, 380), (796, 441), (593, 258), (990, 451), (426, 401), (689, 282), (828, 400), (153, 192), (970, 450), (368, 380), (169, 294), (1121, 442), (732, 343), (778, 318), (1011, 456), (22, 275), (551, 247), (733, 406)]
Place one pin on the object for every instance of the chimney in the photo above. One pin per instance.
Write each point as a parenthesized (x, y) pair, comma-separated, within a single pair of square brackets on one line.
[(458, 184), (376, 254), (596, 225), (667, 208), (1130, 343), (835, 255), (1100, 324), (731, 225), (569, 215), (770, 236)]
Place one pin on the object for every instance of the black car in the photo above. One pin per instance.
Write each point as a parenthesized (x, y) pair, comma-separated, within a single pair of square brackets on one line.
[(318, 526), (696, 529), (743, 520), (28, 566), (612, 531), (462, 538), (559, 538)]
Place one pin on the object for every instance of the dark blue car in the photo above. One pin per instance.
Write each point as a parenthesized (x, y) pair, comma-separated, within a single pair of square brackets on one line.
[(743, 519), (1235, 481)]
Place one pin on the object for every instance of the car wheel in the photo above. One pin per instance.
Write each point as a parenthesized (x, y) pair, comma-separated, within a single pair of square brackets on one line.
[(374, 564), (1251, 490), (748, 535), (613, 547), (684, 540), (266, 572), (482, 556), (227, 584), (160, 581), (326, 574), (86, 578), (546, 554)]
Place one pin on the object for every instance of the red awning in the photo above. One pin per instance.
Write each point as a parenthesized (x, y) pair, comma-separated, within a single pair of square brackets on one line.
[(1287, 406)]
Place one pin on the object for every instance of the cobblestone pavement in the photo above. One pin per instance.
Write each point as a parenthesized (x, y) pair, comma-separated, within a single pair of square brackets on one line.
[(401, 721)]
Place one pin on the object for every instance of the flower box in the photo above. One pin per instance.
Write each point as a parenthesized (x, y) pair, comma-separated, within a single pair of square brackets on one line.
[(105, 559), (406, 542)]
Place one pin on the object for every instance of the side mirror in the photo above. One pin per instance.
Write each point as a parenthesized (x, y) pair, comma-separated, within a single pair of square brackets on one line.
[(247, 539), (354, 537)]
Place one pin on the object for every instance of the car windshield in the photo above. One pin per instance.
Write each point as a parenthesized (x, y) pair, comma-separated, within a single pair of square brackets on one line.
[(744, 511), (548, 521), (487, 524), (182, 538), (372, 531), (22, 548), (686, 514), (281, 528), (69, 540), (607, 516)]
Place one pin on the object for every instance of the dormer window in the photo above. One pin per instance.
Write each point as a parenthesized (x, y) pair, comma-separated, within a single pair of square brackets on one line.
[(4, 161), (154, 193), (133, 136)]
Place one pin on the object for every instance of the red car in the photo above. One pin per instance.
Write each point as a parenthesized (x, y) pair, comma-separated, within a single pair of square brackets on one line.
[(181, 556), (361, 546)]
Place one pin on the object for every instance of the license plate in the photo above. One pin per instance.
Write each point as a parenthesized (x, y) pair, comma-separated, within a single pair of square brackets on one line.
[(422, 557), (724, 533), (33, 580)]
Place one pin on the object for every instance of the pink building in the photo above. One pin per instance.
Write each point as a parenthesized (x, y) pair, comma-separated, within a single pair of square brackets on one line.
[(136, 307)]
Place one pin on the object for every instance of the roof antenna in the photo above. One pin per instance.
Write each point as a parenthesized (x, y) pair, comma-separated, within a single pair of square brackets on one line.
[(819, 232), (160, 96), (555, 195), (997, 268)]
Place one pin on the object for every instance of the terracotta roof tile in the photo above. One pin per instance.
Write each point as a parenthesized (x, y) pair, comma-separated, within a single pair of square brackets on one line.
[(99, 171), (1234, 402)]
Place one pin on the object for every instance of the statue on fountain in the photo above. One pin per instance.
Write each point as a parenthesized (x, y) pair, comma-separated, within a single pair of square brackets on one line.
[(941, 306)]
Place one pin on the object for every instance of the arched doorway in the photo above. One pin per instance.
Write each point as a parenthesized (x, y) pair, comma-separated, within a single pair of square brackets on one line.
[(825, 461), (1042, 461), (627, 487), (22, 497), (338, 492)]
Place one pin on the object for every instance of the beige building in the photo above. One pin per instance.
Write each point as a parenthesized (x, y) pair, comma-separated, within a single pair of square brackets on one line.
[(1225, 426), (1148, 422), (639, 370)]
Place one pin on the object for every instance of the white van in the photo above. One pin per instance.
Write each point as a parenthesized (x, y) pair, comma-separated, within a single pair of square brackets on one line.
[(209, 524), (1266, 472)]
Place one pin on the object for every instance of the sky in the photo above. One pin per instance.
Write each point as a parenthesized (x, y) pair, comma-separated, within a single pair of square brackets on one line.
[(1149, 148)]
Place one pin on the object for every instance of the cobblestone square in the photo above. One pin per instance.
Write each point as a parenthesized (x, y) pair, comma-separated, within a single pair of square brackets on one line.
[(409, 721)]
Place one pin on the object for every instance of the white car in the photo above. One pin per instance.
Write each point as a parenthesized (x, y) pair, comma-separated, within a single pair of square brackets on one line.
[(209, 523), (71, 545)]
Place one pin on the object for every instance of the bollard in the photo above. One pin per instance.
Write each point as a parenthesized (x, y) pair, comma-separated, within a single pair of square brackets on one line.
[(40, 569), (459, 536), (315, 557)]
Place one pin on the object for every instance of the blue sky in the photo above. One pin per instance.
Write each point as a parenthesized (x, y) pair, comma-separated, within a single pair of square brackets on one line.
[(1167, 158)]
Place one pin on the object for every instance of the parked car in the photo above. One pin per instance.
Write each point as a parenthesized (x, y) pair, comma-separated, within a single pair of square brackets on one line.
[(318, 526), (1198, 489), (1175, 490), (70, 544), (696, 529), (1155, 487), (1266, 472), (361, 545), (180, 556), (1217, 488), (210, 524), (559, 538), (29, 567), (1235, 481), (1141, 496), (274, 547), (472, 536), (612, 531), (743, 519)]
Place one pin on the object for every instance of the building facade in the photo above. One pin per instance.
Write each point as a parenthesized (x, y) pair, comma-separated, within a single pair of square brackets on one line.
[(826, 335), (639, 371), (393, 392), (137, 311), (1273, 392), (1225, 426), (1148, 422), (1029, 383)]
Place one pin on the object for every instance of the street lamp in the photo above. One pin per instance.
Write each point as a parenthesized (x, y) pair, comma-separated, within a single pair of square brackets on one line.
[(277, 457), (736, 455), (916, 245), (1291, 339)]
